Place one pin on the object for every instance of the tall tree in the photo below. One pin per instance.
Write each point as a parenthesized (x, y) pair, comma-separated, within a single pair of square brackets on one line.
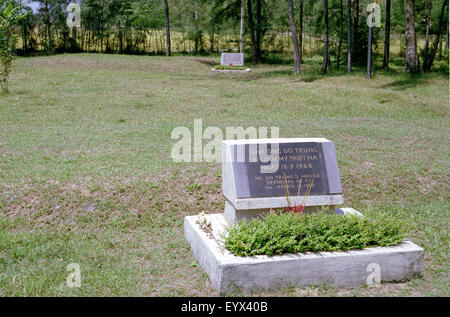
[(325, 39), (24, 25), (294, 37), (198, 35), (251, 26), (349, 36), (241, 37), (341, 30), (411, 57), (369, 44), (48, 27), (447, 38), (427, 30), (300, 31), (355, 33), (387, 35), (166, 10), (401, 4), (429, 58), (258, 29)]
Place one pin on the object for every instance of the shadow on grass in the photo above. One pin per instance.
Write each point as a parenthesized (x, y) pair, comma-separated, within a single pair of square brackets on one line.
[(309, 72), (409, 81), (207, 62), (406, 81)]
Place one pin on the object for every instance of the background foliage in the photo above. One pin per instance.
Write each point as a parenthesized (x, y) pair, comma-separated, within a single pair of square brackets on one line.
[(201, 26)]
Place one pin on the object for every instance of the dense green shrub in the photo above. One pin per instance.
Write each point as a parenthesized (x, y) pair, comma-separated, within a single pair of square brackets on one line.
[(279, 233)]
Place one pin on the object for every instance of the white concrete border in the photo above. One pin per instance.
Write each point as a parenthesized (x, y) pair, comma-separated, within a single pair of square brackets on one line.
[(231, 70), (347, 269), (281, 202)]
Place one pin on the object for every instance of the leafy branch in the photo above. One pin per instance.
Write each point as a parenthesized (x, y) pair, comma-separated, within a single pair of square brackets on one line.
[(10, 16)]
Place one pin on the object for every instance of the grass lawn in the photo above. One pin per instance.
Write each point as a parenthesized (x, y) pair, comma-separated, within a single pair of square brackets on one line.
[(86, 174)]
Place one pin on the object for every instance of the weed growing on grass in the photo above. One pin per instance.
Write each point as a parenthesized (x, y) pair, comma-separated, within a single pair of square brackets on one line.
[(192, 187), (279, 233)]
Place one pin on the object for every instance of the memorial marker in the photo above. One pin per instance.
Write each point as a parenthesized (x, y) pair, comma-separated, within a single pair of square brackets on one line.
[(255, 174), (254, 178), (232, 59)]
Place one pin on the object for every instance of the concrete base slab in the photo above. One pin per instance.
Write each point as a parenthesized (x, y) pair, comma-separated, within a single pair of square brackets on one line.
[(231, 70), (346, 269)]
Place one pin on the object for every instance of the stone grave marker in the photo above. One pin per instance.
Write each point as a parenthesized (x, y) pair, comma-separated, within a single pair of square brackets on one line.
[(232, 59), (256, 173)]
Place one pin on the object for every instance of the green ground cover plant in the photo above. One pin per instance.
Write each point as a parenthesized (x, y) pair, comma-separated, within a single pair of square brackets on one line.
[(280, 233)]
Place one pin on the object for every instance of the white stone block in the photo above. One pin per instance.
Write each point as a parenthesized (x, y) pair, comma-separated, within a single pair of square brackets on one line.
[(231, 71)]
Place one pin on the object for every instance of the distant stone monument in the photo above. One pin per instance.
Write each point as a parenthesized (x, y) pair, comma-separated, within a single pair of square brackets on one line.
[(232, 59)]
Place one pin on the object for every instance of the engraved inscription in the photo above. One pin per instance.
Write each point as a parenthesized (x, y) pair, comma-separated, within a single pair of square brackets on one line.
[(232, 59), (299, 164)]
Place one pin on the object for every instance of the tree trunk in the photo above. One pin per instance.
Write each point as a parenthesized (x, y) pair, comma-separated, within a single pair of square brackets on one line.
[(369, 53), (402, 14), (428, 62), (101, 31), (341, 29), (355, 39), (74, 39), (24, 38), (387, 35), (300, 32), (166, 9), (49, 33), (252, 29), (196, 26), (411, 57), (258, 28), (294, 38), (447, 38), (120, 41), (211, 38), (349, 36), (241, 37), (23, 31), (325, 39), (427, 30)]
